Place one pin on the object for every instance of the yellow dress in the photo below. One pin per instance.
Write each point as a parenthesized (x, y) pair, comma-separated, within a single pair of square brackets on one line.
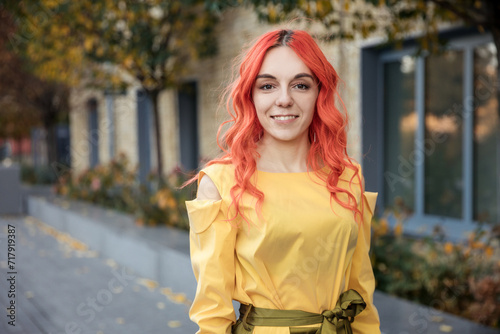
[(300, 256)]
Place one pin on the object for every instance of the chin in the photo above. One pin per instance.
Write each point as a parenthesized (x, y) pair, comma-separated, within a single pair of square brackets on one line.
[(286, 138)]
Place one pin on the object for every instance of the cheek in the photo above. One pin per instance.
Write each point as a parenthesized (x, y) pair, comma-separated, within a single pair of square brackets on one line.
[(261, 103), (310, 105)]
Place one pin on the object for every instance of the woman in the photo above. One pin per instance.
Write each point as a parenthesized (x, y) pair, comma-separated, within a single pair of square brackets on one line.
[(281, 222)]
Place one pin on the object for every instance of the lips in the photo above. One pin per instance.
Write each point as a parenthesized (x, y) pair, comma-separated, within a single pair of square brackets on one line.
[(284, 117)]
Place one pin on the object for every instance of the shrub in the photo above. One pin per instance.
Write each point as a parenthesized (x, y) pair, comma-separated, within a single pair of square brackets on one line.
[(37, 175), (164, 202), (115, 186), (460, 278)]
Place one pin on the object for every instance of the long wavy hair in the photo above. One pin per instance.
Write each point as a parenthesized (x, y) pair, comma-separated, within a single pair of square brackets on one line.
[(327, 132)]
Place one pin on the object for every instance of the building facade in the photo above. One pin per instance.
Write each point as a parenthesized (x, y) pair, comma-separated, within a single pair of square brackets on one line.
[(425, 128)]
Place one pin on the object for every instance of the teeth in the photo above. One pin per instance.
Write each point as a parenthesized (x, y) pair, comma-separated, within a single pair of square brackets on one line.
[(283, 118)]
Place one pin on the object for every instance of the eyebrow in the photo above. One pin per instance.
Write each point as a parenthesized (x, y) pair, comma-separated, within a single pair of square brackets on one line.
[(298, 76)]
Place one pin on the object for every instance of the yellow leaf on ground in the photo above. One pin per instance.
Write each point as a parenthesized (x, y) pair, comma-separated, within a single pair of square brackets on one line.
[(177, 298), (437, 318), (174, 324), (445, 328), (150, 284), (78, 245), (112, 263)]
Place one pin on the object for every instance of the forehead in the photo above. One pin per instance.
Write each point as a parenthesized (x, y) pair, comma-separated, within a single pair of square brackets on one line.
[(283, 60)]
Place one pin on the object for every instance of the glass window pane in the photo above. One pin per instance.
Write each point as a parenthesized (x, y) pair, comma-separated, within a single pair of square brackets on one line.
[(443, 147), (486, 136), (399, 133)]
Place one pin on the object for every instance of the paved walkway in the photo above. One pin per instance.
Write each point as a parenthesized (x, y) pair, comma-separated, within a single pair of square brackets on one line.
[(62, 286)]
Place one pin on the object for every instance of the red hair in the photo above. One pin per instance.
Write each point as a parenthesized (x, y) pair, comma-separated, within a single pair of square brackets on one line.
[(327, 132)]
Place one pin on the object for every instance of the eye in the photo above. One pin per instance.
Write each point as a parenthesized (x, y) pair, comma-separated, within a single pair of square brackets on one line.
[(266, 87), (301, 86)]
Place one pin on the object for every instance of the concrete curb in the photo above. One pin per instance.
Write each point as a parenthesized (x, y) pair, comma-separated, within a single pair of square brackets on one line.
[(160, 254)]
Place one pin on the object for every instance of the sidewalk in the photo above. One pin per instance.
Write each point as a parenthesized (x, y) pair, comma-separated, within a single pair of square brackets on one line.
[(62, 287), (157, 298)]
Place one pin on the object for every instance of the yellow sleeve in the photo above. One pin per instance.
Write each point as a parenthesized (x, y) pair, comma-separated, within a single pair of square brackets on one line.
[(361, 276), (212, 243)]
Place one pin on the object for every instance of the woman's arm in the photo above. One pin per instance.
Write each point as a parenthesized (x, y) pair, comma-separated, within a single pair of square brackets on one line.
[(361, 277), (212, 241)]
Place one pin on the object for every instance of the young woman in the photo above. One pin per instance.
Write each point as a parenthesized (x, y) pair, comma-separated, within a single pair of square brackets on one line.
[(281, 222)]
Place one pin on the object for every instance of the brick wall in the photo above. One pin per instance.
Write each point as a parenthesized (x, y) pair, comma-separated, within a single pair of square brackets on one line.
[(124, 134), (125, 114), (237, 28), (79, 126)]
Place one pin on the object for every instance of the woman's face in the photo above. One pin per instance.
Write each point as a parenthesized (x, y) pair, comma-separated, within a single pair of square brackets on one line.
[(284, 96)]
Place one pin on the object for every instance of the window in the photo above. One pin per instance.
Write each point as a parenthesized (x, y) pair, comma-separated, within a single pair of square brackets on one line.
[(145, 135), (438, 131), (400, 115), (486, 145), (93, 126), (188, 125), (110, 115)]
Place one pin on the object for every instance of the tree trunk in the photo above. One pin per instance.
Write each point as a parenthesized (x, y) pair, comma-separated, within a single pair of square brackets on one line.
[(154, 95)]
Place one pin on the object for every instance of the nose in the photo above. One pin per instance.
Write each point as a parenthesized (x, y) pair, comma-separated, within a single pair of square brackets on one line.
[(284, 99)]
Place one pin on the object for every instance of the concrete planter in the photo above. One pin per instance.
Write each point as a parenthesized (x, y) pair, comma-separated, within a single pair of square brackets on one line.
[(159, 253), (10, 190)]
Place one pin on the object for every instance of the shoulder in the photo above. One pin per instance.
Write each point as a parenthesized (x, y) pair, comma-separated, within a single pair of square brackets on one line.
[(214, 180), (352, 180), (218, 172), (352, 172), (216, 169), (208, 190)]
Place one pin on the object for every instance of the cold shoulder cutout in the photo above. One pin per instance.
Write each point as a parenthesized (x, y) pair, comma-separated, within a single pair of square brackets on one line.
[(207, 190)]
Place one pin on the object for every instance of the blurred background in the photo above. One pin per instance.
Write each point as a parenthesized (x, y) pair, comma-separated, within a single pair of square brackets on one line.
[(116, 104)]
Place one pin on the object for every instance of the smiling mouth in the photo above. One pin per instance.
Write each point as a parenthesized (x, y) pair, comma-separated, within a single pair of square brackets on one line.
[(284, 118)]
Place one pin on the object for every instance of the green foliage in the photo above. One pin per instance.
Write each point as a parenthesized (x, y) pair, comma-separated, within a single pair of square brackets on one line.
[(114, 44), (37, 174), (463, 279), (163, 202), (394, 19), (112, 185), (115, 186), (110, 40)]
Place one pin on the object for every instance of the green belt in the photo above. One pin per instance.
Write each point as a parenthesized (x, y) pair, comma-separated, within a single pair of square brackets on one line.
[(336, 321)]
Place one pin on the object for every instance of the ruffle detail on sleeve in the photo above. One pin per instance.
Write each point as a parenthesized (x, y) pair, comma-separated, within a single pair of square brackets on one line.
[(371, 200), (202, 214)]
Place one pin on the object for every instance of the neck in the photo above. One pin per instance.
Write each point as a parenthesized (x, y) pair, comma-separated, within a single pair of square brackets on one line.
[(282, 156)]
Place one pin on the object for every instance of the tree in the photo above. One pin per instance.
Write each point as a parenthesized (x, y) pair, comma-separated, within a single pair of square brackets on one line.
[(111, 42), (26, 100)]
